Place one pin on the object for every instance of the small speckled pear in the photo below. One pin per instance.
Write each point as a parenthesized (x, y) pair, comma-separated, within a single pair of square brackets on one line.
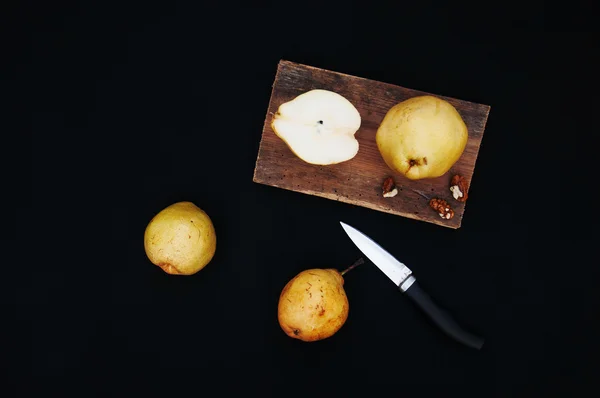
[(180, 239), (313, 305)]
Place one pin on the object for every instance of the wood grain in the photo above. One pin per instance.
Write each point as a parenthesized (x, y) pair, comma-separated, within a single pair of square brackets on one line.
[(359, 180)]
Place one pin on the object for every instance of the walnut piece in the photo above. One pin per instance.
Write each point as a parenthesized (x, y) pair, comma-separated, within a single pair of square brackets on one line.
[(459, 188), (389, 188), (442, 207)]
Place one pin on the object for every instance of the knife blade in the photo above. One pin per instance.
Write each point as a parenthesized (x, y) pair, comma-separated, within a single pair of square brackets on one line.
[(403, 278)]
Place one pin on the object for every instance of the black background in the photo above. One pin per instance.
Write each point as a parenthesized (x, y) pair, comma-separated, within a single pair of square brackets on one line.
[(128, 108)]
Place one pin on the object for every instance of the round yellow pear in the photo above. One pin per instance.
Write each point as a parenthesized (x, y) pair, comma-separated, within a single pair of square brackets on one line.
[(180, 239), (313, 305), (422, 137)]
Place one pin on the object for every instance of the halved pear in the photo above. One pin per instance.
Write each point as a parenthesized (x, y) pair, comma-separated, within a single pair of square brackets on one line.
[(319, 127)]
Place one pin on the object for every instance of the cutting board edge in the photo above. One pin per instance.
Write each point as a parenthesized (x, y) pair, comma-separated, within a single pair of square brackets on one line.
[(364, 204), (487, 107)]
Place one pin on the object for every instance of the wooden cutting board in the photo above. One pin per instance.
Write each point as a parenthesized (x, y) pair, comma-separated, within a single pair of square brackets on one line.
[(359, 180)]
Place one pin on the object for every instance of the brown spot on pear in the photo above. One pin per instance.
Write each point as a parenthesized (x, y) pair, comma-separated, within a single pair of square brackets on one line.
[(180, 239), (311, 317)]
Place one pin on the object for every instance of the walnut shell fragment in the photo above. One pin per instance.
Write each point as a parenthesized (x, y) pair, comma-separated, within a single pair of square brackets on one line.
[(459, 188), (389, 188)]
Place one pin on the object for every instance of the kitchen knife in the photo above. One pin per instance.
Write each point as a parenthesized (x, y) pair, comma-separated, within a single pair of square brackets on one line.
[(402, 277)]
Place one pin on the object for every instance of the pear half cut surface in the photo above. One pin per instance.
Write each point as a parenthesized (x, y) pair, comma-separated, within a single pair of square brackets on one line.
[(319, 127)]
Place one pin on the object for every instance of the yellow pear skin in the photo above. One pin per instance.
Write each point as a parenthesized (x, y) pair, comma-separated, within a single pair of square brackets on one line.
[(313, 305), (180, 239), (422, 137)]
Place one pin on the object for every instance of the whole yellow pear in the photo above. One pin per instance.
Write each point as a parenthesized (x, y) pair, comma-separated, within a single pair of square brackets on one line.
[(422, 137), (180, 239), (313, 305)]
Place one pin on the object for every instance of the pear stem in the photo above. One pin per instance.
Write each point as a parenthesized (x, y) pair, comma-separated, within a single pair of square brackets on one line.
[(356, 264)]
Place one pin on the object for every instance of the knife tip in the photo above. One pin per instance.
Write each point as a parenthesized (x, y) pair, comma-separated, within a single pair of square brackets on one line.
[(347, 228)]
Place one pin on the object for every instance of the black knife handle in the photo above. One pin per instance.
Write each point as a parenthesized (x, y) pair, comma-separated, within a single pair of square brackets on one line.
[(442, 318)]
